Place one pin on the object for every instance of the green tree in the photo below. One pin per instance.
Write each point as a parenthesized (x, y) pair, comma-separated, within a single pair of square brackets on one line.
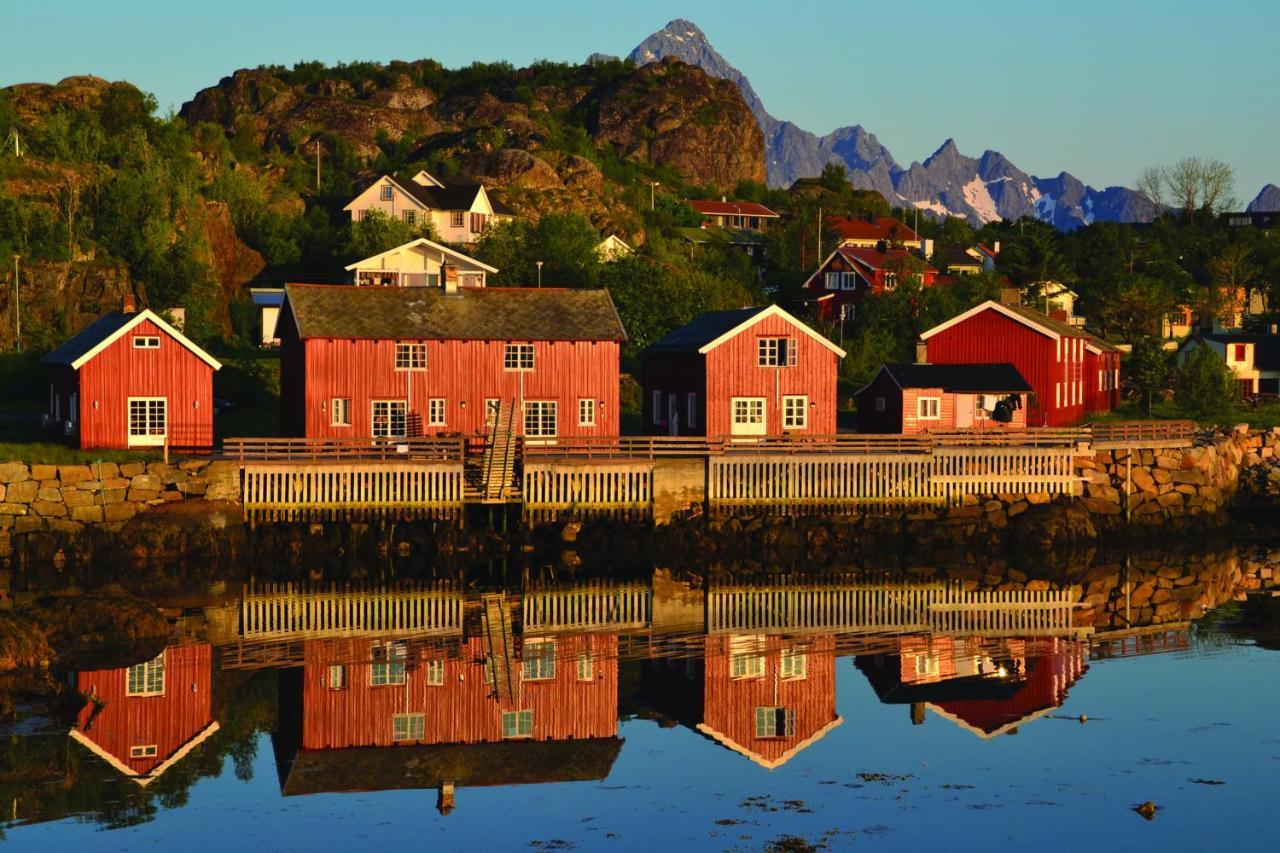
[(1205, 388), (1147, 367), (564, 242), (376, 232)]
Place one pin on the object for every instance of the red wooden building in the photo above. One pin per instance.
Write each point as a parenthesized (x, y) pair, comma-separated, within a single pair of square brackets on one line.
[(147, 717), (915, 398), (130, 379), (1051, 355), (745, 373), (850, 273), (733, 214), (1102, 375), (362, 362)]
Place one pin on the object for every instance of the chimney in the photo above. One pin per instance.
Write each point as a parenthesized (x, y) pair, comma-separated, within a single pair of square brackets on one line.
[(129, 304), (1010, 296), (922, 352), (449, 277)]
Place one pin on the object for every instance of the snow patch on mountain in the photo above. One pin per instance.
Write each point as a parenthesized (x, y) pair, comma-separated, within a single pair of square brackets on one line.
[(978, 197)]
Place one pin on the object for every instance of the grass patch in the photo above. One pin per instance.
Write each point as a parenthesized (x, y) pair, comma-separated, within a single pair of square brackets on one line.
[(50, 453), (1258, 416)]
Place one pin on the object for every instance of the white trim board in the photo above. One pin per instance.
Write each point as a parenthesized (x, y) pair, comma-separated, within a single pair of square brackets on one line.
[(771, 311), (421, 241), (144, 779), (146, 314), (1000, 309)]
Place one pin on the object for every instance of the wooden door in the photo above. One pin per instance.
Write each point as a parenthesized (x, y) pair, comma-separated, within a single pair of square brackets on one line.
[(747, 416), (964, 411)]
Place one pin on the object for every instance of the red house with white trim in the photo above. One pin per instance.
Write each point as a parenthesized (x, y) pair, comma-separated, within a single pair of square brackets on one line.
[(850, 273), (733, 214), (746, 373), (129, 379), (1051, 355), (395, 362), (861, 233)]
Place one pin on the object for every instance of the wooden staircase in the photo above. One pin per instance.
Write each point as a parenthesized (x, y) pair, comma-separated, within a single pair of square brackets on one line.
[(499, 645), (495, 480)]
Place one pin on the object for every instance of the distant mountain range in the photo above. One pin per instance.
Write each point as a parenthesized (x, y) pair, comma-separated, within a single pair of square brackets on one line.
[(1267, 201), (948, 183)]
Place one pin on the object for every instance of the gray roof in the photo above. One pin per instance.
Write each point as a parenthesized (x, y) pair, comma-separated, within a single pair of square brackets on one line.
[(428, 313), (702, 330), (456, 194), (959, 377), (88, 338)]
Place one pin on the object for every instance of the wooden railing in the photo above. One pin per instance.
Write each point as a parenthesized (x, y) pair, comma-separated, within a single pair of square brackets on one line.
[(596, 606), (343, 449), (1142, 432), (274, 610)]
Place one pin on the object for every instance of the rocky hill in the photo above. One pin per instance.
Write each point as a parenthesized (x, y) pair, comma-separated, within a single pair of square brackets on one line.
[(1266, 201)]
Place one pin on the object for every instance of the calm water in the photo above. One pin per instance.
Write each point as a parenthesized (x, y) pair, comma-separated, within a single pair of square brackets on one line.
[(840, 712)]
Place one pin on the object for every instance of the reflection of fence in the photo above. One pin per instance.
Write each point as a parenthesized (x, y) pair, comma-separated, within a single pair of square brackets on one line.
[(840, 606), (298, 611), (599, 606), (1148, 640)]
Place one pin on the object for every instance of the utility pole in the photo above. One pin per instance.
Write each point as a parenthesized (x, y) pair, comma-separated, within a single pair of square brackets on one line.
[(317, 165), (17, 308), (819, 234), (652, 184)]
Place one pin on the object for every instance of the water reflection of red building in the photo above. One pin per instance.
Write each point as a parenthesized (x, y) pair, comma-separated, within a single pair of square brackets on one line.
[(986, 687), (765, 697), (145, 718)]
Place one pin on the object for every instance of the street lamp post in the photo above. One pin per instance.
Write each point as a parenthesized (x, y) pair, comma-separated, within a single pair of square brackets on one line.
[(17, 308), (652, 184), (539, 264)]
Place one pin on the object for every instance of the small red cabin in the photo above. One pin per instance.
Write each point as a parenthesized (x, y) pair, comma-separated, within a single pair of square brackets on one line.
[(850, 273), (392, 362), (1048, 353), (130, 379), (147, 717), (745, 373), (915, 398)]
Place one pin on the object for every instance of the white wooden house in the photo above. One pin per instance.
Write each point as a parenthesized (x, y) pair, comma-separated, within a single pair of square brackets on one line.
[(419, 263), (459, 209)]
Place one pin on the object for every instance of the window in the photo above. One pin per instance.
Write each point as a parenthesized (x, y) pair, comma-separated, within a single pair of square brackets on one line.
[(517, 357), (408, 726), (435, 411), (540, 418), (928, 665), (928, 408), (748, 411), (492, 406), (410, 217), (795, 665), (657, 407), (148, 751), (389, 418), (795, 412), (1240, 350), (435, 672), (777, 352), (880, 404), (411, 356), (517, 724), (746, 665), (586, 668), (340, 411), (146, 679), (586, 412), (147, 420), (539, 662), (337, 678), (775, 722), (477, 223), (388, 664), (691, 409), (146, 342), (456, 218), (890, 280), (386, 192)]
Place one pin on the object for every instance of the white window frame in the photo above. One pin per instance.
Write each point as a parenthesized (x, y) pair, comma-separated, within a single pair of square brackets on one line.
[(586, 667), (435, 672), (146, 678), (791, 405), (386, 193), (386, 429), (143, 751), (518, 357), (794, 665), (390, 670), (535, 415), (457, 218), (691, 409), (408, 727), (517, 724), (928, 664), (340, 411), (148, 437), (746, 665), (411, 356), (748, 416), (586, 411), (437, 412), (775, 351), (539, 660), (336, 677), (767, 721), (409, 216), (925, 404), (146, 342)]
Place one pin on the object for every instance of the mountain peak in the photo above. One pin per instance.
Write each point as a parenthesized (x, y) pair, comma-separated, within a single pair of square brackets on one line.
[(1266, 201), (681, 29)]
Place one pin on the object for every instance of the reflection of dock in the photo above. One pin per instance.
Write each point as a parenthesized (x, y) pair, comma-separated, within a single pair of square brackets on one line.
[(299, 611), (594, 606)]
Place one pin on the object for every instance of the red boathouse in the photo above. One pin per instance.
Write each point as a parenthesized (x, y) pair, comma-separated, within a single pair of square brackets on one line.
[(393, 362), (130, 379), (746, 373)]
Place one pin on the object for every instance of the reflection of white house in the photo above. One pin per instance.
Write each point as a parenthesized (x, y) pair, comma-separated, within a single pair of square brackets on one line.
[(1254, 359), (419, 264), (460, 210), (268, 300), (612, 248)]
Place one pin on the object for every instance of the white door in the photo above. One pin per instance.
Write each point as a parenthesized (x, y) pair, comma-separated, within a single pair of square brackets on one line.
[(541, 419), (964, 411), (673, 415), (148, 421), (747, 416)]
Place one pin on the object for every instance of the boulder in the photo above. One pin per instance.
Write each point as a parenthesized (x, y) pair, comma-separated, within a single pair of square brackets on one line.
[(13, 472)]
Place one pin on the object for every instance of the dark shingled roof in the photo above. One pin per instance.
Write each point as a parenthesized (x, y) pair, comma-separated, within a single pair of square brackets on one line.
[(511, 762), (959, 377), (456, 194), (1266, 348), (428, 313), (88, 338), (702, 330)]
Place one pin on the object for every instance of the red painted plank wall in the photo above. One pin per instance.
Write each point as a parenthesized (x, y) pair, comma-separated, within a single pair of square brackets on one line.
[(458, 372), (166, 721), (1100, 397), (1048, 679), (462, 709), (120, 371)]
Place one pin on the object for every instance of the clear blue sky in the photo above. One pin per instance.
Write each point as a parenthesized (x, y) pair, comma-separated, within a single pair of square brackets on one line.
[(1099, 88)]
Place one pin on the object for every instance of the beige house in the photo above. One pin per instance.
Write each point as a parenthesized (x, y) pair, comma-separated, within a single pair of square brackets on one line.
[(460, 210), (1254, 359), (419, 263), (612, 248)]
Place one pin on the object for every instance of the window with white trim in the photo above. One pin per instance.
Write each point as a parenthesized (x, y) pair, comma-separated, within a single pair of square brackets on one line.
[(840, 280), (388, 664), (145, 679), (540, 418), (146, 342), (794, 665), (539, 662), (456, 218), (776, 352), (435, 672), (586, 411), (657, 407), (340, 411), (928, 664), (517, 724), (748, 411), (410, 217), (386, 192), (436, 412), (408, 727), (929, 408), (517, 357), (691, 409), (390, 417), (775, 722), (148, 417), (795, 412), (147, 751), (586, 667), (746, 665), (337, 677), (411, 356)]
